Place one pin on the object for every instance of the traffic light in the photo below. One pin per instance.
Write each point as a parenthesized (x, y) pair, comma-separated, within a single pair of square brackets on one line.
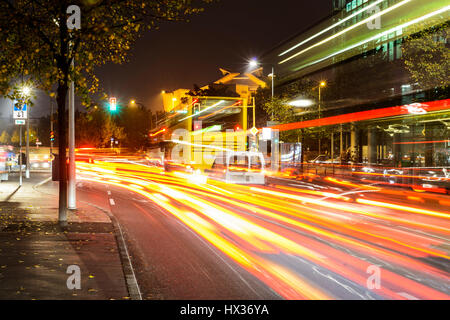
[(237, 127), (112, 104), (52, 136), (196, 108)]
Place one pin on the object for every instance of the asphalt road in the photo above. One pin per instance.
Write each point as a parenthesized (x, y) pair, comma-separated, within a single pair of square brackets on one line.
[(311, 239)]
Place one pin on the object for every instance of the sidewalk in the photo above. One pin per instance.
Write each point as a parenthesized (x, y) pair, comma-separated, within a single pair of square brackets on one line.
[(35, 252)]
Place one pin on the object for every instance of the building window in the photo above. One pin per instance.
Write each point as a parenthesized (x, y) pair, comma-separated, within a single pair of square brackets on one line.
[(391, 50), (349, 7), (353, 4)]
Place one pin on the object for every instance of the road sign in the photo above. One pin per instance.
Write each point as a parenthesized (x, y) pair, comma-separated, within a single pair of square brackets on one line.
[(20, 110), (254, 131), (20, 122), (266, 133)]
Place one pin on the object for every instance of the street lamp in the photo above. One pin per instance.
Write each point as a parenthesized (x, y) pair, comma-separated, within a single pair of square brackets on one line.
[(26, 93), (133, 102), (322, 84), (253, 63)]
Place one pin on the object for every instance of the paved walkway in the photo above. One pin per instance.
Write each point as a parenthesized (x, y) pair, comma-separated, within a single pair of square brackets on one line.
[(35, 252)]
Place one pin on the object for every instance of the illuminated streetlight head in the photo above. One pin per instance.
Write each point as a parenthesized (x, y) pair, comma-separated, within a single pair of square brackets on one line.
[(163, 92), (323, 84), (133, 101), (253, 63), (26, 91)]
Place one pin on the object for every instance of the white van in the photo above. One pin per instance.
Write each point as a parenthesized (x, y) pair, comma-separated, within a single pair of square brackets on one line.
[(240, 167)]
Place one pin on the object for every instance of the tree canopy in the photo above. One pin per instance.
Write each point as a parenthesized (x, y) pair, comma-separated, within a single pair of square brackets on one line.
[(37, 44), (426, 56)]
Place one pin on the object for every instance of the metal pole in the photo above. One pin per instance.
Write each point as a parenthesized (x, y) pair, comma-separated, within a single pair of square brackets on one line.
[(273, 89), (254, 113), (20, 155), (27, 171), (319, 101), (51, 125), (319, 118), (71, 194)]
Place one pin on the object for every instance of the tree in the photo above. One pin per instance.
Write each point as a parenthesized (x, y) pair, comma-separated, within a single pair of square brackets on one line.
[(426, 56), (15, 138), (136, 123), (112, 130), (4, 137), (38, 45), (89, 128), (280, 110), (261, 97)]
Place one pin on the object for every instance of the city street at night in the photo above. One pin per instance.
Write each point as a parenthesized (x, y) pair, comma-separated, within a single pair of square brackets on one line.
[(290, 239)]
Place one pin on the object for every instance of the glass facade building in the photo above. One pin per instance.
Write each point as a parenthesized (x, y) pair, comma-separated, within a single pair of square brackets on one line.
[(387, 119)]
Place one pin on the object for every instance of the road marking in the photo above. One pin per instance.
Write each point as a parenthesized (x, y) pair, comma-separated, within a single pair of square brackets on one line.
[(111, 201), (407, 296), (109, 193)]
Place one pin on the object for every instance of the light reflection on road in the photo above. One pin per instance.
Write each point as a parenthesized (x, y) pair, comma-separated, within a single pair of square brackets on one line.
[(303, 243)]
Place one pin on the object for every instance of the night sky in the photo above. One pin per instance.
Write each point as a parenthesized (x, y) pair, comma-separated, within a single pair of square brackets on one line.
[(227, 35)]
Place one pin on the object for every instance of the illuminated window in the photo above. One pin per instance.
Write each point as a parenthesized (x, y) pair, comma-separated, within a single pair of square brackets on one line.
[(349, 6), (359, 3), (353, 4)]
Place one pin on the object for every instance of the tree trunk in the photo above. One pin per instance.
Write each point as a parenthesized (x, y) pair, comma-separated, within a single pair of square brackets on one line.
[(61, 100)]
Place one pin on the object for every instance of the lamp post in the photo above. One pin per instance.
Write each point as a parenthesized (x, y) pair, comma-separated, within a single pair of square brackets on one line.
[(322, 84), (71, 190), (133, 102), (26, 92)]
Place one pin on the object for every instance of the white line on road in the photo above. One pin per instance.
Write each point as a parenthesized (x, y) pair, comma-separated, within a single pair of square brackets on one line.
[(407, 296), (109, 193), (111, 201)]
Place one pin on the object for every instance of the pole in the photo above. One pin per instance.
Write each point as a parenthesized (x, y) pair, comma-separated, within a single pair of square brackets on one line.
[(254, 113), (51, 126), (319, 101), (20, 155), (319, 118), (273, 89), (71, 192), (27, 171)]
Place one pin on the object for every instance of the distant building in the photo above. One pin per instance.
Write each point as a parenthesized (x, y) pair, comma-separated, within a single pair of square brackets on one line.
[(244, 85)]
